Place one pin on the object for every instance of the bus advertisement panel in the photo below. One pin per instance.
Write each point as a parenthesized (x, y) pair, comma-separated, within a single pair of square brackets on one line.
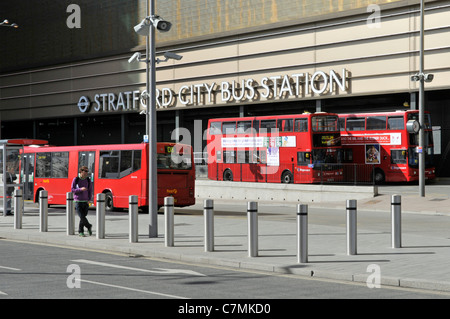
[(380, 148), (301, 148), (118, 171)]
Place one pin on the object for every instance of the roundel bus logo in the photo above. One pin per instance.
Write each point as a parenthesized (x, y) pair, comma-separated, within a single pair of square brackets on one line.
[(84, 104)]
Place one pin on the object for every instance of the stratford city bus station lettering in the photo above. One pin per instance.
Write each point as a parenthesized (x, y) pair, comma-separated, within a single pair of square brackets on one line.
[(297, 85)]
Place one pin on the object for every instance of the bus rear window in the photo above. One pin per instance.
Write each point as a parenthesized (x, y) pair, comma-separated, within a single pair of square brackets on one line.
[(174, 160), (324, 123)]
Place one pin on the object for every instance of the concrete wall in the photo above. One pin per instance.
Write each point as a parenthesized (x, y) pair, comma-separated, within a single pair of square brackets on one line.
[(292, 193)]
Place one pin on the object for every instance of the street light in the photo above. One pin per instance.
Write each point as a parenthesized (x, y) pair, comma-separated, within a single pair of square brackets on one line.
[(422, 77), (147, 28), (5, 23)]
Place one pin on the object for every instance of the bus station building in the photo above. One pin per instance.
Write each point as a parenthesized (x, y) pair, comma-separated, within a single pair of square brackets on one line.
[(65, 75)]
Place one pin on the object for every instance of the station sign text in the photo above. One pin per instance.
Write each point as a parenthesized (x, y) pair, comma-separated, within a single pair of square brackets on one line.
[(277, 87)]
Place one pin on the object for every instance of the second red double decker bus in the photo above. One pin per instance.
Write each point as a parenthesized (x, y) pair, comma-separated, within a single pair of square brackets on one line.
[(379, 148), (300, 148)]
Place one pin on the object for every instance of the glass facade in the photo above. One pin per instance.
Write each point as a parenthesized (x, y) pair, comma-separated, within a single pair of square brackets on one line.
[(47, 33), (195, 18)]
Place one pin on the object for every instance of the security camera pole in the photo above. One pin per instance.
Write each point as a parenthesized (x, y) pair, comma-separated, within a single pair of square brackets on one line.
[(421, 106), (147, 28), (422, 78), (151, 120)]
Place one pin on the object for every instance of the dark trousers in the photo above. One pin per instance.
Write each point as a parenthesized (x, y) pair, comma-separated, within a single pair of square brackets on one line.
[(82, 211)]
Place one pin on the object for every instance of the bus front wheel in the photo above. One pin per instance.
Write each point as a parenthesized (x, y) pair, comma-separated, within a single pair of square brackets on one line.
[(228, 175), (109, 203), (287, 177)]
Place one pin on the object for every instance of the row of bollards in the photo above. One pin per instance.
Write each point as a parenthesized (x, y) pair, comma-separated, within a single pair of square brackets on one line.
[(100, 216), (208, 211), (302, 227)]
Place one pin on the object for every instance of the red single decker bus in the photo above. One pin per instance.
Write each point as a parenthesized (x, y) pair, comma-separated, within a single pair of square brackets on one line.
[(301, 148), (384, 146), (118, 171)]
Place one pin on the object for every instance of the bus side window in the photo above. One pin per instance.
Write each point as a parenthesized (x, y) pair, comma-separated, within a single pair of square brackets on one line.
[(301, 125), (215, 128), (303, 158), (356, 124), (376, 122), (109, 164), (229, 128), (287, 125), (269, 126), (137, 160), (229, 157), (398, 156), (395, 123), (60, 165), (126, 167), (52, 164), (241, 157), (244, 127)]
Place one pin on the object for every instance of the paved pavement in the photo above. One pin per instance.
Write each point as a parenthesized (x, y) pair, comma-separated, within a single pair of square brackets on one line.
[(423, 261)]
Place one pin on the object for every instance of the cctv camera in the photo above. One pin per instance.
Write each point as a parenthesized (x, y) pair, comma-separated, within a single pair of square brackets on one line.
[(171, 55), (428, 77), (415, 77), (161, 24), (143, 28), (135, 57)]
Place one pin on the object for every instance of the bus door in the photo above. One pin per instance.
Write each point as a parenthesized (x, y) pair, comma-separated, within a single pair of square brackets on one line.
[(27, 176), (86, 158)]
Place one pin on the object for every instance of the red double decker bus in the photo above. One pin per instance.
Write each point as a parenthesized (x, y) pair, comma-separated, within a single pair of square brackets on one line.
[(301, 148), (118, 171), (383, 149)]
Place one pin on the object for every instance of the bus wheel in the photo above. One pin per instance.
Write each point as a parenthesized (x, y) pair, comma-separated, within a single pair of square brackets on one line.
[(378, 176), (228, 175), (287, 177), (109, 204)]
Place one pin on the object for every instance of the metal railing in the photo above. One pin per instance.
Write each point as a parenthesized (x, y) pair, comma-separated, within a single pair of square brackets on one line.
[(354, 174)]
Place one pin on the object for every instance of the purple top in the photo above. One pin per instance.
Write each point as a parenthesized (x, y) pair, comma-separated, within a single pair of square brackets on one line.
[(78, 194)]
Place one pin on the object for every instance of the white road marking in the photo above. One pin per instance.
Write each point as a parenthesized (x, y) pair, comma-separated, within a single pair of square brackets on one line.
[(161, 271), (9, 268), (133, 289)]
